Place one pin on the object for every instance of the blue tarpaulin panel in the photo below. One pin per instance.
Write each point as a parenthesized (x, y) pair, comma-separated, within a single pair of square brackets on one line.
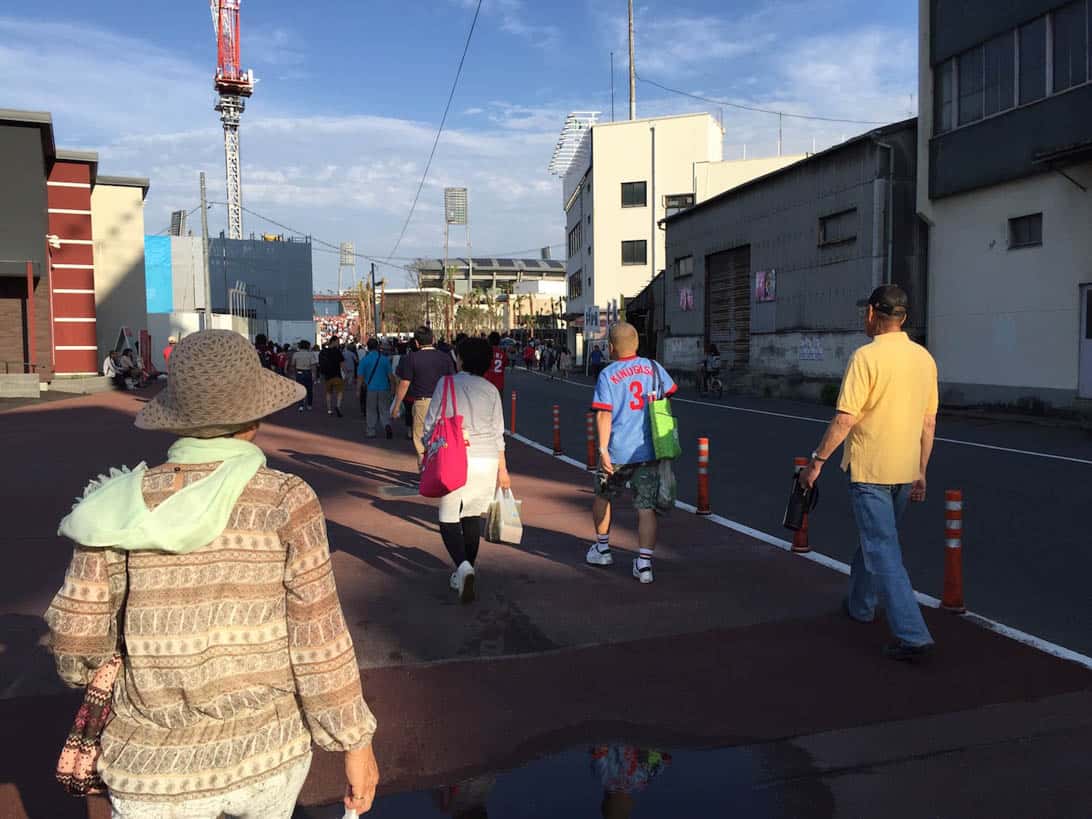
[(157, 273)]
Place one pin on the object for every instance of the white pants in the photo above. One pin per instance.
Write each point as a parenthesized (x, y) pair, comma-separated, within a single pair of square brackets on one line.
[(271, 798), (475, 496)]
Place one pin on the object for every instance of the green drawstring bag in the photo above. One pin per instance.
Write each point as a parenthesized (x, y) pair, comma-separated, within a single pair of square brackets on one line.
[(665, 429)]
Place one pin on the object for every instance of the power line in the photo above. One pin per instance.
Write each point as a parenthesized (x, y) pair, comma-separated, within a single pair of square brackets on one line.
[(189, 213), (315, 239), (440, 130), (756, 109)]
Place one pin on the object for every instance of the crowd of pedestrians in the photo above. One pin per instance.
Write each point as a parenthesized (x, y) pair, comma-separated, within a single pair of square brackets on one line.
[(201, 592)]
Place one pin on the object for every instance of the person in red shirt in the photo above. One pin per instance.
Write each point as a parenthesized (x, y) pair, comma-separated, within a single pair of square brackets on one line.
[(495, 374), (529, 355), (171, 341)]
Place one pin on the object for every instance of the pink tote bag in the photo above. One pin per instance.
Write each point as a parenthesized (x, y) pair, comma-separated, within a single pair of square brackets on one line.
[(444, 467)]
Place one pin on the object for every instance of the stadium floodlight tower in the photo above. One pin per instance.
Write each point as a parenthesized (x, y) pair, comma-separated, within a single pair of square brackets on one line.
[(233, 85)]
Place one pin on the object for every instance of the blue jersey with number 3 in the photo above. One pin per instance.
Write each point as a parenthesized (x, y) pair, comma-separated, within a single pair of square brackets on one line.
[(623, 390)]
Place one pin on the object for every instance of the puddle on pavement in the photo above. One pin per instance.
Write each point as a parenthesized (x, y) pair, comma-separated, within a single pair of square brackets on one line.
[(618, 781)]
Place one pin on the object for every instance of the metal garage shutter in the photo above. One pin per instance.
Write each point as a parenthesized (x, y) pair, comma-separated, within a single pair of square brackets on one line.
[(728, 304)]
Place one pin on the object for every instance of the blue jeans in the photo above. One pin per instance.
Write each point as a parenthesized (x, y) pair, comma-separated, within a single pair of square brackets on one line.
[(308, 382), (877, 575)]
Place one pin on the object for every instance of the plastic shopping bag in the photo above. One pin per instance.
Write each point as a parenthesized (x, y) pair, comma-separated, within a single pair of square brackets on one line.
[(669, 490), (503, 524), (665, 429)]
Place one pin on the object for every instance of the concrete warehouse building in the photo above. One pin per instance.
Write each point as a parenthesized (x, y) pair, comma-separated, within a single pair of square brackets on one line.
[(771, 270), (1005, 185), (71, 268), (619, 179)]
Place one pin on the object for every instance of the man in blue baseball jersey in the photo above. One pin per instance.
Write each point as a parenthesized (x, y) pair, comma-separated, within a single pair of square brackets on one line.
[(626, 454)]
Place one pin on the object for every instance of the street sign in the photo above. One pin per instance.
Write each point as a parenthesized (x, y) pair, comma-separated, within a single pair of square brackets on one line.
[(591, 320)]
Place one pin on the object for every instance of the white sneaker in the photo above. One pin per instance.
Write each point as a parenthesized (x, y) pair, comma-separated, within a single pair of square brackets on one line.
[(464, 579), (645, 574), (598, 558)]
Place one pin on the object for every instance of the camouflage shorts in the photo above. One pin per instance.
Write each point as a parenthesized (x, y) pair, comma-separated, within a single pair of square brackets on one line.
[(643, 479)]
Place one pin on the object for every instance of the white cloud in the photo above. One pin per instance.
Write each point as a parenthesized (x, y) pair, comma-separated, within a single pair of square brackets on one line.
[(513, 18), (339, 177)]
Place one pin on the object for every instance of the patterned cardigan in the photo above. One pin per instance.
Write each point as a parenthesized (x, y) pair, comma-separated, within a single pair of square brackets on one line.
[(236, 654)]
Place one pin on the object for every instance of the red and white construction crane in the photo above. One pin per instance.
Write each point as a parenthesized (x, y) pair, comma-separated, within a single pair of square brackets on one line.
[(233, 85)]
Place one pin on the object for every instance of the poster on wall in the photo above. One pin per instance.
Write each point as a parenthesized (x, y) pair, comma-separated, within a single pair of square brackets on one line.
[(766, 285)]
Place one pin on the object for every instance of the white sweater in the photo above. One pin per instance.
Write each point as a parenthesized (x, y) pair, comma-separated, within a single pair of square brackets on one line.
[(478, 402)]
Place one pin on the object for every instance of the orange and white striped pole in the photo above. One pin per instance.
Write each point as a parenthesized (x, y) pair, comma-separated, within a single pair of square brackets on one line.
[(952, 597), (703, 477), (589, 429), (513, 416), (800, 543), (557, 430)]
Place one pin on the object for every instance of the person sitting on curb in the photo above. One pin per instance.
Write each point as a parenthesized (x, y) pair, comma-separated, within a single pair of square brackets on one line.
[(887, 416), (210, 576), (626, 454)]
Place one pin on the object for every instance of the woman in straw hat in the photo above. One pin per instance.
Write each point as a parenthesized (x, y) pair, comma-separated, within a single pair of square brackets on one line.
[(216, 570)]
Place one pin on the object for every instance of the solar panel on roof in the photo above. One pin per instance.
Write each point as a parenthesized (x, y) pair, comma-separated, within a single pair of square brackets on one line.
[(556, 265), (483, 262), (506, 263)]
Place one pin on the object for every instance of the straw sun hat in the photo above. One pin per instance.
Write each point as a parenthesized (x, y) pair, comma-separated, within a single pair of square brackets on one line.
[(217, 386)]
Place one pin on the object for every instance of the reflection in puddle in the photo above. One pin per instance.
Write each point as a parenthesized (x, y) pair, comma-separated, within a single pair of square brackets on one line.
[(620, 781)]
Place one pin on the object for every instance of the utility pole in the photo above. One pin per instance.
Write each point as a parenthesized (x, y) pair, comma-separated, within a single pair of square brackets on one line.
[(207, 323), (612, 86), (632, 69), (375, 301)]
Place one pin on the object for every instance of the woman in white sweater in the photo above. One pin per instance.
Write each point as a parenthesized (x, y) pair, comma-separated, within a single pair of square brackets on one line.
[(478, 402)]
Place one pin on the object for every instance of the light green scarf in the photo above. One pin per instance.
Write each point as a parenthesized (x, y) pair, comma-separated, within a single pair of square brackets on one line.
[(112, 512)]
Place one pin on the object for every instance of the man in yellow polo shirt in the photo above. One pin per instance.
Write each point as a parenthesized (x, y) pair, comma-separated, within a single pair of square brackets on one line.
[(886, 415)]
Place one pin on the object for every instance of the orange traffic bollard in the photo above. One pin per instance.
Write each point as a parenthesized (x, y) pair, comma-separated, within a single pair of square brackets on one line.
[(557, 430), (800, 536), (589, 424), (513, 416), (952, 597), (703, 477)]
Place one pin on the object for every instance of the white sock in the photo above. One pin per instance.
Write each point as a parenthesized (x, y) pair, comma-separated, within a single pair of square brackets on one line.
[(644, 559), (602, 543)]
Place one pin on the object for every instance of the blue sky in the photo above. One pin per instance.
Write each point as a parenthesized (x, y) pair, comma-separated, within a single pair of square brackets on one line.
[(338, 131)]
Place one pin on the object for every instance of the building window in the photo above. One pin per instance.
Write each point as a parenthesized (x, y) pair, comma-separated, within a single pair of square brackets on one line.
[(1026, 231), (634, 194), (838, 228), (1070, 36), (576, 284), (942, 97), (1000, 72), (675, 202), (971, 81), (576, 239), (635, 252), (1033, 61), (589, 218), (684, 267)]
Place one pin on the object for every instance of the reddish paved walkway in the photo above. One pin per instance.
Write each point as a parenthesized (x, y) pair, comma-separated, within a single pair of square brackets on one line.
[(735, 643)]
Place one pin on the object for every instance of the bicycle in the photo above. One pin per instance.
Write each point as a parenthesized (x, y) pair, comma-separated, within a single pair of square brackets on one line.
[(712, 387)]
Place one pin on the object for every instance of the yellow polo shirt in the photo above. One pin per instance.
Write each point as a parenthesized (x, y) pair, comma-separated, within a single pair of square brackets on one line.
[(890, 386)]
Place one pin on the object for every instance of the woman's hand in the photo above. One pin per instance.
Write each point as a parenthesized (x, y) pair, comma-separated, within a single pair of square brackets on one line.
[(504, 480), (362, 777)]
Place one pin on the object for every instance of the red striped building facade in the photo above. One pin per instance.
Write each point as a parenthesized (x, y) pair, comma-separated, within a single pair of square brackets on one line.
[(72, 264)]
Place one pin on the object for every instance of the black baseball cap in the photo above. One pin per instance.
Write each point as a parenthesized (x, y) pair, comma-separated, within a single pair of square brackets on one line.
[(889, 299)]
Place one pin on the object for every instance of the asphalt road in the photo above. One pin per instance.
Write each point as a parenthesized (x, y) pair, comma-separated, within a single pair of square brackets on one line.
[(1027, 551)]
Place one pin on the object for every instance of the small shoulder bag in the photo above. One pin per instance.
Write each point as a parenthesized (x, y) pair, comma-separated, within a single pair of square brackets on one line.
[(77, 767)]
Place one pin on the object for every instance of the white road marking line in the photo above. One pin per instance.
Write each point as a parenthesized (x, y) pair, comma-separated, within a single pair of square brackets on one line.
[(1038, 643), (956, 441)]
